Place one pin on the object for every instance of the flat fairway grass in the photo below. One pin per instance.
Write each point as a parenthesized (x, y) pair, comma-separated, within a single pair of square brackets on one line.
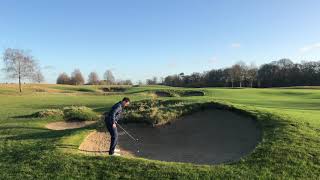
[(289, 149)]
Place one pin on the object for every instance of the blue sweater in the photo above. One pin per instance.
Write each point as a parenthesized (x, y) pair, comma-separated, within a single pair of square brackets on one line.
[(115, 113)]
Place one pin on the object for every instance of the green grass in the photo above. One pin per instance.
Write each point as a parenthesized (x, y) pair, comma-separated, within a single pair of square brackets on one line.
[(289, 149)]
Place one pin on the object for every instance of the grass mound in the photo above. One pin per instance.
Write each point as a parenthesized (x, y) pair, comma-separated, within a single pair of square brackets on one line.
[(159, 112), (80, 113), (49, 113), (178, 93)]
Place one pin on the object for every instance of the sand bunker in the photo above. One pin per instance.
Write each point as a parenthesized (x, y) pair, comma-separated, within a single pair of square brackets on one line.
[(99, 142), (206, 137), (62, 125)]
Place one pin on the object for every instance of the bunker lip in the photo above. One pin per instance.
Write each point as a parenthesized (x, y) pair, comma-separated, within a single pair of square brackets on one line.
[(206, 137), (62, 125)]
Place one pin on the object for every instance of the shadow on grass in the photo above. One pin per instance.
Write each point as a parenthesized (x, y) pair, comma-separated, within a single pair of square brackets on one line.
[(24, 116), (20, 127), (48, 134), (67, 146)]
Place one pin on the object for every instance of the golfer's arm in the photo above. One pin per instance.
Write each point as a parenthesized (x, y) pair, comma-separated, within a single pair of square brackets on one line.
[(114, 115)]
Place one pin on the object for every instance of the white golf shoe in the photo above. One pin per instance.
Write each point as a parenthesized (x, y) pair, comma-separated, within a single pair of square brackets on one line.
[(117, 150)]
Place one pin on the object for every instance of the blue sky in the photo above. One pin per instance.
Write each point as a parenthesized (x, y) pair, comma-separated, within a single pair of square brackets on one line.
[(138, 39)]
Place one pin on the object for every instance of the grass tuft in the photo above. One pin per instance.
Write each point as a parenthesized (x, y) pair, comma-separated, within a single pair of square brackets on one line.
[(79, 113)]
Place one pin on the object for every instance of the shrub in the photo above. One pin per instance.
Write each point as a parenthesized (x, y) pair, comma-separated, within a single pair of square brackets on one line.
[(165, 94), (177, 93), (114, 89), (192, 93), (158, 112), (80, 113), (49, 113)]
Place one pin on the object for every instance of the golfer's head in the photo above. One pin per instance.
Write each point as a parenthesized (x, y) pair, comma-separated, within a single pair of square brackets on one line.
[(125, 102)]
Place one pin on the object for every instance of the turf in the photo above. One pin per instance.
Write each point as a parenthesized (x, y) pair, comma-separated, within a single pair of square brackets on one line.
[(289, 149)]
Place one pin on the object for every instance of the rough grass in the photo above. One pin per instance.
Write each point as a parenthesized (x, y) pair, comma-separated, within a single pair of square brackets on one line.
[(177, 93), (114, 88), (49, 113), (159, 112), (289, 148), (79, 113)]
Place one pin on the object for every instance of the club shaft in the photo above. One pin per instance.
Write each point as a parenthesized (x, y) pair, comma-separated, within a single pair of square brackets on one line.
[(127, 132)]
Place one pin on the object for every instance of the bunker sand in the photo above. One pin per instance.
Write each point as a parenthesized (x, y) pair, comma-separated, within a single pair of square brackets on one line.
[(98, 143), (61, 125)]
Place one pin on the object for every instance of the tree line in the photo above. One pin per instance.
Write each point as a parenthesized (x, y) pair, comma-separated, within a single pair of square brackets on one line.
[(281, 73), (76, 78), (21, 65)]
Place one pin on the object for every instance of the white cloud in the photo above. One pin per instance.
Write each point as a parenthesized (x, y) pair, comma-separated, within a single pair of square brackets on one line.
[(235, 45), (310, 47)]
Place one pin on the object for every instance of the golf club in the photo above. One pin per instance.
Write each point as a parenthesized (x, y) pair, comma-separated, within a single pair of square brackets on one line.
[(127, 133), (136, 140)]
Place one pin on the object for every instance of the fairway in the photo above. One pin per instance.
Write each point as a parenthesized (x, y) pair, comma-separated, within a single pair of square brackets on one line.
[(288, 147)]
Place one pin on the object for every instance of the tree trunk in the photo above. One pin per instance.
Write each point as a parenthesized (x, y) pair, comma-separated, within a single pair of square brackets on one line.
[(20, 84), (240, 84), (232, 83), (19, 69), (251, 84)]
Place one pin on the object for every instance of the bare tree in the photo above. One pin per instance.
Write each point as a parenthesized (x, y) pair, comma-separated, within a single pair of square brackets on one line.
[(128, 82), (252, 73), (108, 76), (161, 80), (241, 70), (77, 78), (38, 76), (234, 74), (93, 78), (18, 65), (155, 80), (63, 78), (149, 82)]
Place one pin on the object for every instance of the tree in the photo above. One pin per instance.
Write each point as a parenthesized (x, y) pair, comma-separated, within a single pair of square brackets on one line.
[(108, 76), (93, 78), (63, 78), (77, 78), (38, 76), (18, 65), (234, 73), (149, 82), (252, 74), (267, 75), (155, 80), (128, 82)]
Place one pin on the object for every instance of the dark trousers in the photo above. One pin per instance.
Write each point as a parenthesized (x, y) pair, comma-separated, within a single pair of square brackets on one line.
[(114, 137)]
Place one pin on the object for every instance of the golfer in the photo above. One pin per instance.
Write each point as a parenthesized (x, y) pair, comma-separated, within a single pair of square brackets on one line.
[(111, 120)]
